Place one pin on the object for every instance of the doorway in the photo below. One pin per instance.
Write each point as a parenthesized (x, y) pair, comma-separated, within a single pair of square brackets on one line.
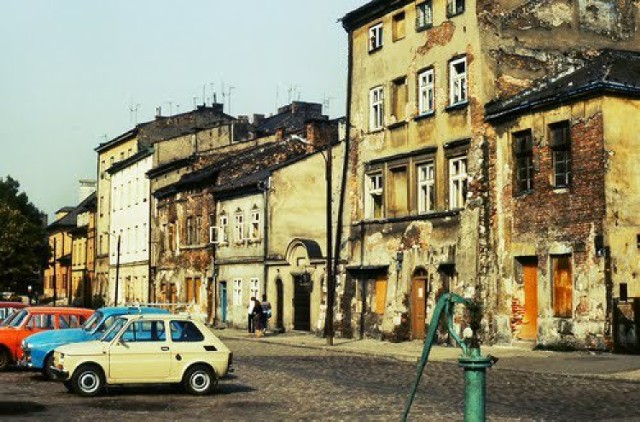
[(529, 326), (419, 294), (223, 301), (279, 305), (302, 303)]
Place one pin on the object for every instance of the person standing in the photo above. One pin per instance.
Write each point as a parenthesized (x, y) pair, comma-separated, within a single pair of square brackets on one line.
[(257, 317), (266, 313), (251, 328)]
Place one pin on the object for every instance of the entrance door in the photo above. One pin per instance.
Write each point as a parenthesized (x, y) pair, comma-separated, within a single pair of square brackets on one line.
[(301, 305), (279, 304), (223, 301), (418, 307), (529, 328)]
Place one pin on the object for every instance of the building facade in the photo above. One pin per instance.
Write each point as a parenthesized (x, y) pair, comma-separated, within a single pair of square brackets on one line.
[(83, 253)]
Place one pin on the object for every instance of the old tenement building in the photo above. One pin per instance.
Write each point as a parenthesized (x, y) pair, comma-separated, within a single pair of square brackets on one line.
[(422, 217)]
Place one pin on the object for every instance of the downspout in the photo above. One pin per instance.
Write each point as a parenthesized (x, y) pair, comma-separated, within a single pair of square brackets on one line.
[(345, 162), (212, 317), (149, 250), (265, 231)]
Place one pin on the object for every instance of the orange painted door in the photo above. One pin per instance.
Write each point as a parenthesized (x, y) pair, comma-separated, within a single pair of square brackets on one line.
[(418, 308), (529, 328)]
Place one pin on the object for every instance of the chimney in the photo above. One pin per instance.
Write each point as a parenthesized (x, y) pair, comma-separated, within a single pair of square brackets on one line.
[(257, 119), (280, 134), (158, 112), (321, 132), (87, 187)]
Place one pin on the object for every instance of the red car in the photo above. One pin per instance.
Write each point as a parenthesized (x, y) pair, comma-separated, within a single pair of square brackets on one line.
[(31, 320), (8, 308)]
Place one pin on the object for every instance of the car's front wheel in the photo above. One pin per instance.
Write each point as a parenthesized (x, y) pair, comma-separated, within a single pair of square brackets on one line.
[(5, 359), (88, 380), (199, 380)]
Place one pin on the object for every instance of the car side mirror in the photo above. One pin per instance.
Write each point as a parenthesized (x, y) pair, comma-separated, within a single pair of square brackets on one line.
[(121, 341)]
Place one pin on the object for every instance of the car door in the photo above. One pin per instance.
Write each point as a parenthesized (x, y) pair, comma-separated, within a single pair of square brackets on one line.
[(141, 353)]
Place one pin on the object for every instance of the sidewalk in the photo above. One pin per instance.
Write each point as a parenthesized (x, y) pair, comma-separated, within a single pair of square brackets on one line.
[(586, 364)]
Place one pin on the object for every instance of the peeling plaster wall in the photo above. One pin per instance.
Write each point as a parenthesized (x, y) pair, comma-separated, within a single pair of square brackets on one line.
[(547, 222)]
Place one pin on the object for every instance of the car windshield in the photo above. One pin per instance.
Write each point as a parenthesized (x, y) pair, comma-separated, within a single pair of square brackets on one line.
[(104, 326), (5, 322), (17, 321), (113, 330), (92, 322)]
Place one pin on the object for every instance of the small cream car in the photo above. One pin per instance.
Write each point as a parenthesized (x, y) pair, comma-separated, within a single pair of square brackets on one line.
[(140, 349)]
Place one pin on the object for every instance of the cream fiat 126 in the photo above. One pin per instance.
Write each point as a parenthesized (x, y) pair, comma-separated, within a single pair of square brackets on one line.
[(139, 349)]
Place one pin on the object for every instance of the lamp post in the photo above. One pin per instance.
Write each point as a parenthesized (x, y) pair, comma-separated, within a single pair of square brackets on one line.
[(117, 271), (331, 288), (55, 278)]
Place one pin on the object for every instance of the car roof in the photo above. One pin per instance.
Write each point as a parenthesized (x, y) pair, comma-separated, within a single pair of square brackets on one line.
[(57, 310), (13, 305), (133, 310), (160, 316)]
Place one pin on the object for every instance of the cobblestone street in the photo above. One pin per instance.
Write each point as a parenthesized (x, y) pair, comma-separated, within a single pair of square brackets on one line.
[(278, 382)]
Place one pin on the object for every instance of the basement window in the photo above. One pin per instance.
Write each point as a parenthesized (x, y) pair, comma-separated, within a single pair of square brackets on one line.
[(560, 134), (375, 38), (455, 7), (523, 153)]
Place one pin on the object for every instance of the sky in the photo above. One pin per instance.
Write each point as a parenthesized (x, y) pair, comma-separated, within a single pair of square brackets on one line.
[(76, 73)]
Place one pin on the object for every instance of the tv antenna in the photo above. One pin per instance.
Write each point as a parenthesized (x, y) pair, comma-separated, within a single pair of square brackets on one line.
[(326, 103), (170, 107), (133, 113)]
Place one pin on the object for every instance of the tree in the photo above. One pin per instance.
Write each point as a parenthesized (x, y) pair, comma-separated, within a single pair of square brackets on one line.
[(24, 249)]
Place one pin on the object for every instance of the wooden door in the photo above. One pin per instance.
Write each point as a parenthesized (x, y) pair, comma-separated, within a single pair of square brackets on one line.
[(529, 328), (301, 306), (418, 307)]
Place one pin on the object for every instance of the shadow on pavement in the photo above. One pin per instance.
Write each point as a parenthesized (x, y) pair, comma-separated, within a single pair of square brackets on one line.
[(19, 408)]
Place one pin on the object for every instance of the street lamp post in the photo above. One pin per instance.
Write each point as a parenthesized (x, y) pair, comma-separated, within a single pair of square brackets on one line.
[(117, 271), (55, 278)]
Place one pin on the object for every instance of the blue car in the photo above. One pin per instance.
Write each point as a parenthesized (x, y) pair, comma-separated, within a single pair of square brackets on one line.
[(38, 348)]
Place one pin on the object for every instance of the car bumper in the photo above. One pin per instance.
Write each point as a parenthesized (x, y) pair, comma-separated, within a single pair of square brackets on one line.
[(24, 363), (59, 374)]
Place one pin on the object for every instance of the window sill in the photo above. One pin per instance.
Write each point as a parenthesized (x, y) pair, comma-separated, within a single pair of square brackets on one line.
[(457, 106), (397, 125), (424, 116), (561, 189), (427, 216), (424, 28), (376, 130), (454, 14), (523, 193), (373, 50)]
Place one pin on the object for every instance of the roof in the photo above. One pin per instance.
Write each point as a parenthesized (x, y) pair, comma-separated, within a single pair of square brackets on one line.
[(167, 316), (58, 309), (71, 219), (133, 310), (292, 117), (117, 140), (171, 165), (143, 153), (613, 72), (370, 11)]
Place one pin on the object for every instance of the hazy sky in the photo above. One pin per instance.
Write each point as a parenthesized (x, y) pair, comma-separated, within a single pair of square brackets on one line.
[(73, 71)]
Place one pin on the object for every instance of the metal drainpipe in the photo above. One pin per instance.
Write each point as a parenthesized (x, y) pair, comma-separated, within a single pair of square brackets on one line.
[(149, 239), (213, 288), (265, 231)]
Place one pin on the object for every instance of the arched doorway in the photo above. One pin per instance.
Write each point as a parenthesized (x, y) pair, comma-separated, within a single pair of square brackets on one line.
[(279, 305), (419, 295)]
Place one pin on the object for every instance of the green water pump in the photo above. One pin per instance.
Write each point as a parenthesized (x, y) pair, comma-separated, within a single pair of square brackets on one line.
[(471, 360)]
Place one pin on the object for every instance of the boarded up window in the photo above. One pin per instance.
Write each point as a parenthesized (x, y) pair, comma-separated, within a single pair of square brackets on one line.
[(399, 99), (381, 294), (562, 286), (399, 27), (399, 198)]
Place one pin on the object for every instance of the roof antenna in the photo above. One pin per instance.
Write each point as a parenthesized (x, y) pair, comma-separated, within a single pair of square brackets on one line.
[(133, 113)]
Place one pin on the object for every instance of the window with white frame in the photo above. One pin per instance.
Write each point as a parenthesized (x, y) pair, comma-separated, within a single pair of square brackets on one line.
[(374, 206), (376, 110), (458, 81), (458, 182), (455, 7), (424, 15), (426, 188), (223, 224), (253, 286), (255, 224), (426, 91), (375, 37), (239, 227), (237, 291)]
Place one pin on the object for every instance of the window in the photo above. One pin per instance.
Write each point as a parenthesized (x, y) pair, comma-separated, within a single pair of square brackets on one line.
[(255, 224), (458, 81), (185, 331), (198, 230), (102, 164), (137, 191), (426, 92), (115, 198), (398, 192), (129, 194), (426, 188), (224, 223), (375, 37), (237, 292), (399, 99), (376, 112), (562, 286), (253, 286), (374, 206), (189, 234), (523, 152), (424, 15), (560, 134), (43, 321), (239, 228), (457, 182), (455, 7), (101, 205), (144, 331), (399, 28)]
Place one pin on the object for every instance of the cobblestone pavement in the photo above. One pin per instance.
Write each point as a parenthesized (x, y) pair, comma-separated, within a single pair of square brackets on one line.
[(276, 382)]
